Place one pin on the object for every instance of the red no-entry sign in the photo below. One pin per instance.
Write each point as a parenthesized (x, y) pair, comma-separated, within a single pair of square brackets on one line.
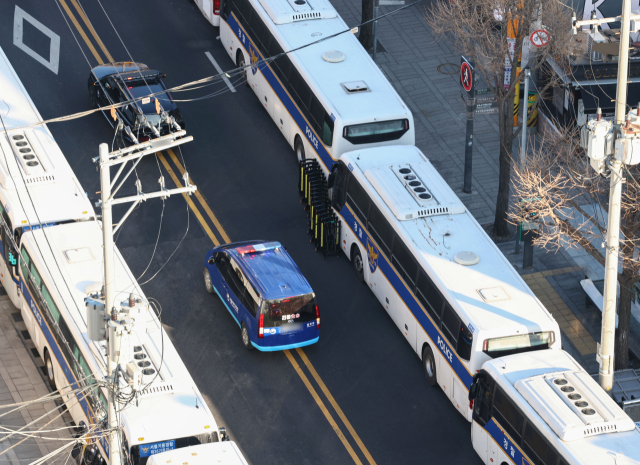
[(466, 76)]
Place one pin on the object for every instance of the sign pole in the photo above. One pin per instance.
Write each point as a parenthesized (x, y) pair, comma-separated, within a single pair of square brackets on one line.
[(525, 115), (376, 4), (467, 80)]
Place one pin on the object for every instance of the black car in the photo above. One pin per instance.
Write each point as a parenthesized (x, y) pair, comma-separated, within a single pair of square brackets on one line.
[(124, 81)]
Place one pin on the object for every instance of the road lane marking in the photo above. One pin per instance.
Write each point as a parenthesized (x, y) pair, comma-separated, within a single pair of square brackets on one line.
[(81, 31), (335, 405), (92, 30), (219, 70), (202, 201), (19, 17), (195, 210), (323, 408)]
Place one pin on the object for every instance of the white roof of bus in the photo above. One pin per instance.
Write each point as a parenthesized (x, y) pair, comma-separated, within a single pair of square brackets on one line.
[(52, 186), (381, 102), (586, 442), (224, 453), (509, 303), (73, 277)]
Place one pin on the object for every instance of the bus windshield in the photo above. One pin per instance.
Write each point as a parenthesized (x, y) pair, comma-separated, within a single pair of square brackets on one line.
[(299, 309), (376, 132), (502, 346)]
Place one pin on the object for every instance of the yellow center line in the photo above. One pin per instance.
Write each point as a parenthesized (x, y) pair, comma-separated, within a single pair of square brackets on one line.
[(189, 201), (202, 201), (323, 408), (93, 32), (226, 239), (335, 405), (81, 31)]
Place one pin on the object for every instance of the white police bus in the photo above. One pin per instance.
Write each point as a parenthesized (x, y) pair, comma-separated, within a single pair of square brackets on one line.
[(37, 186), (59, 267), (326, 99), (542, 408), (443, 281)]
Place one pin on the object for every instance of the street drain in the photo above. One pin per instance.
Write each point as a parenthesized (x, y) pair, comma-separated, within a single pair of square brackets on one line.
[(449, 68)]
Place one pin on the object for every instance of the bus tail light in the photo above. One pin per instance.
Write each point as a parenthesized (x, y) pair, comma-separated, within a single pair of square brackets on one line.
[(216, 7), (317, 317), (261, 326), (471, 404)]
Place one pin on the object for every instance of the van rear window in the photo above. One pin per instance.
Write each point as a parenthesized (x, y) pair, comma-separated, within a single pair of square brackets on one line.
[(370, 133), (502, 346), (293, 309)]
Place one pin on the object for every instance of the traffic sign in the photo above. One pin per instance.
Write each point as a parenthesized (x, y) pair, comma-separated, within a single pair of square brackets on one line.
[(540, 38), (466, 76), (489, 108)]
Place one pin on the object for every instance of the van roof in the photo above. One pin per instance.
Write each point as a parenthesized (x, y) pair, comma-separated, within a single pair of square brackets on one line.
[(273, 272)]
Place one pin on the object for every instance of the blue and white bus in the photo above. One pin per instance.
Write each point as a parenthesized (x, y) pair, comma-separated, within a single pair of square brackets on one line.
[(326, 99), (542, 408), (445, 284)]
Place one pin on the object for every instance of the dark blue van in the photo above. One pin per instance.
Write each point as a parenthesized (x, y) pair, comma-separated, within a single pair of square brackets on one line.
[(266, 294)]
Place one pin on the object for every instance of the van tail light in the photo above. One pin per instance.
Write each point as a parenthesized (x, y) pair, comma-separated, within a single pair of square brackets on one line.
[(471, 404), (317, 317), (216, 7), (261, 326)]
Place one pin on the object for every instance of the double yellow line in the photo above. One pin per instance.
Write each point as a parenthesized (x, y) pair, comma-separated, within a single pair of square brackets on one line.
[(203, 212)]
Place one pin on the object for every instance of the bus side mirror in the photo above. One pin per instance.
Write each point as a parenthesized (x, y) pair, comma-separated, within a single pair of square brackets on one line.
[(211, 260), (331, 180)]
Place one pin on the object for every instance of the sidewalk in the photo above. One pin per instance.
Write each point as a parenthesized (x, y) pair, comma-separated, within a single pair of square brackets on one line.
[(21, 380), (420, 68)]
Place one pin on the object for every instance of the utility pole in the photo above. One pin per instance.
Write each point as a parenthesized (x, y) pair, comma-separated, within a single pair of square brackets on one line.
[(609, 304), (115, 325)]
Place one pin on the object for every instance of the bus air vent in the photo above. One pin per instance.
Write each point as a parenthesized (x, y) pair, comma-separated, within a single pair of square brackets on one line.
[(493, 294), (355, 87), (573, 405), (466, 258), (334, 56), (27, 153)]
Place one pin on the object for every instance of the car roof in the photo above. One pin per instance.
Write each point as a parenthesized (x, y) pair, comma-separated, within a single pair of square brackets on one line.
[(272, 272)]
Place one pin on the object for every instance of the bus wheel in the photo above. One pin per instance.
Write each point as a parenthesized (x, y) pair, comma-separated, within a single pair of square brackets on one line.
[(241, 63), (429, 365), (298, 146), (207, 282), (49, 367), (246, 340), (358, 264)]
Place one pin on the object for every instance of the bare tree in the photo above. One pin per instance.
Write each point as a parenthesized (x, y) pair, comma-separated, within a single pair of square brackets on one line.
[(570, 200), (480, 30)]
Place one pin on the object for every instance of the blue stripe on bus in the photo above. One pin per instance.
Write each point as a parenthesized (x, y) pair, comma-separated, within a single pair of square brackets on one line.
[(53, 345), (504, 441), (280, 91), (410, 301)]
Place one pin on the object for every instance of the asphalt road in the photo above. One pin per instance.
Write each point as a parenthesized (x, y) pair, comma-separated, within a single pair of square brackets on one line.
[(246, 172)]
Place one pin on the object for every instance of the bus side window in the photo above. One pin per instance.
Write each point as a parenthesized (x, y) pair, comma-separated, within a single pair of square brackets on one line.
[(430, 297), (465, 340), (404, 263), (55, 313), (483, 400), (339, 192), (380, 229), (226, 9), (536, 447), (508, 416), (358, 199), (327, 130), (25, 263), (450, 324)]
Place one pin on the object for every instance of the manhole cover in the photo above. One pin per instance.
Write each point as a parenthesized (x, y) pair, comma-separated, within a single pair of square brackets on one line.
[(449, 68)]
